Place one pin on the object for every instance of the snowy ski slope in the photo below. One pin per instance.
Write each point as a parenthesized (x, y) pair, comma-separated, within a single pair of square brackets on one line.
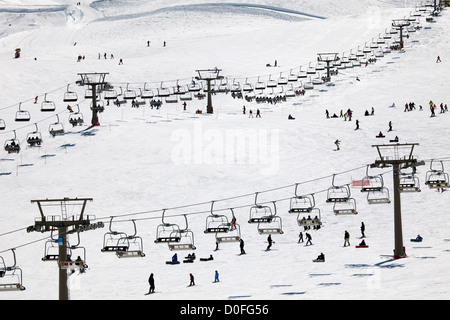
[(140, 161)]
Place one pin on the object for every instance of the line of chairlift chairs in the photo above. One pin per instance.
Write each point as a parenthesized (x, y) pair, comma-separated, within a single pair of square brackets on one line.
[(224, 226)]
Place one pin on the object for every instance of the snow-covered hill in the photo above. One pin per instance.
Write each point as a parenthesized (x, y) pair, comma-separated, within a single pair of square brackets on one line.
[(142, 160)]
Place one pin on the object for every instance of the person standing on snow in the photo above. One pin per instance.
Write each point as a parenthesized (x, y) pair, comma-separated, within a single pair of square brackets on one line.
[(191, 278), (363, 228), (216, 276), (241, 246), (346, 238), (269, 240), (151, 282)]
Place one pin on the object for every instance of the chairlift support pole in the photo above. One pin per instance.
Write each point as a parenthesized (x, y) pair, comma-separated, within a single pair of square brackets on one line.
[(93, 80), (328, 58), (208, 75), (397, 163), (62, 226), (401, 23)]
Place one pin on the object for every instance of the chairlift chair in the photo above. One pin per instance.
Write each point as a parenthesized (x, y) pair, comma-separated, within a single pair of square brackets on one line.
[(345, 208), (22, 115), (34, 138), (12, 145), (260, 213), (51, 250), (436, 177), (173, 98), (308, 222), (194, 86), (8, 273), (77, 264), (378, 196), (163, 92), (292, 77), (110, 94), (135, 246), (88, 94), (167, 232), (274, 226), (260, 85), (147, 93), (111, 240), (338, 193), (47, 105), (409, 183), (302, 74), (129, 94), (372, 183), (311, 70), (70, 96), (282, 80), (186, 241), (301, 203), (2, 124), (76, 118), (290, 93), (216, 223), (223, 85), (187, 96), (247, 87), (271, 83), (234, 231), (56, 128), (99, 106)]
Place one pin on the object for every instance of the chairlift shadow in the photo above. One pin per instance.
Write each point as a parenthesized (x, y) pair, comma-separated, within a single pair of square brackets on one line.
[(5, 173), (26, 165), (68, 145), (48, 155)]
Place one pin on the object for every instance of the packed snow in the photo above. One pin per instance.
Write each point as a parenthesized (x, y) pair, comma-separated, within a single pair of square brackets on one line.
[(139, 161)]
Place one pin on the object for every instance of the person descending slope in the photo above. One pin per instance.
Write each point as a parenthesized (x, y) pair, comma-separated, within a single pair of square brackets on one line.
[(269, 240)]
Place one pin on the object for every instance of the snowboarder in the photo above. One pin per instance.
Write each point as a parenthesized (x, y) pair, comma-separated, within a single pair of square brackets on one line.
[(363, 228), (241, 246), (357, 124), (151, 282), (308, 239), (216, 276), (346, 238), (321, 257), (300, 237), (390, 126), (191, 278), (328, 114), (337, 143), (269, 240), (175, 258)]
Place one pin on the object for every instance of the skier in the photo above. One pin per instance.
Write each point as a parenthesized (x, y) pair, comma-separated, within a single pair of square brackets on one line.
[(243, 110), (151, 282), (357, 124), (241, 246), (191, 278), (120, 61), (250, 114), (328, 114), (258, 113), (438, 59), (269, 240), (346, 238), (148, 43), (216, 276), (363, 228), (390, 126)]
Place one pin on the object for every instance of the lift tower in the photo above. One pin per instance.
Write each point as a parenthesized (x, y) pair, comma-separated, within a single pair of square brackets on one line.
[(389, 155), (64, 225), (94, 80), (209, 75)]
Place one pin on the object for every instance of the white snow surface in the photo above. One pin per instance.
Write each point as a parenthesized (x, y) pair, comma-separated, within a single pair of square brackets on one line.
[(142, 160)]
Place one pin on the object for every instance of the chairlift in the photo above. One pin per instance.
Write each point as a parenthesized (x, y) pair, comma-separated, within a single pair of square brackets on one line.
[(70, 96), (311, 70), (51, 250), (88, 94), (301, 203), (2, 124), (247, 87), (34, 138), (233, 234), (163, 92), (271, 83), (302, 74), (338, 193), (187, 96), (129, 94), (167, 232), (194, 87), (216, 223), (290, 93), (235, 87), (135, 246), (99, 106), (260, 213), (47, 105), (223, 86), (372, 183), (76, 118), (308, 222), (378, 196), (147, 93), (112, 240), (292, 77), (12, 145), (110, 94), (260, 85), (409, 183), (436, 177), (274, 226), (8, 273), (56, 128), (179, 89), (173, 98), (282, 80), (22, 115), (186, 241), (345, 207), (79, 263)]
